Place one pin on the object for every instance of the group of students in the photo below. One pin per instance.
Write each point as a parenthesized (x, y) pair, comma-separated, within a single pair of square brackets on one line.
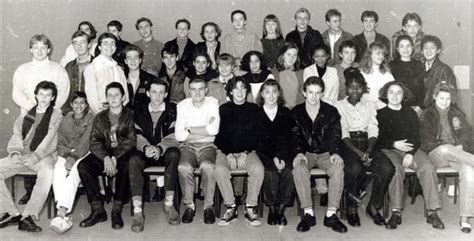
[(330, 101)]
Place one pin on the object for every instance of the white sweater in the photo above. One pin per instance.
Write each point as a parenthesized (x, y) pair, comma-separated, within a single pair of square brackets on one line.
[(28, 75), (331, 82)]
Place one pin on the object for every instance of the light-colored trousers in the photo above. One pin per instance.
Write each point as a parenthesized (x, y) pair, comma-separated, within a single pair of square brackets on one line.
[(65, 184)]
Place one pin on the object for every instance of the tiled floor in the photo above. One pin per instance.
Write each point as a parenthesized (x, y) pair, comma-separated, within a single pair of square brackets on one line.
[(156, 227)]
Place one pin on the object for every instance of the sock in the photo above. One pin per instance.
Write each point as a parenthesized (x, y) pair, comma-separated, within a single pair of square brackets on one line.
[(160, 181), (396, 210), (309, 211), (231, 205), (431, 212), (192, 206), (331, 211), (137, 204), (169, 195), (62, 212)]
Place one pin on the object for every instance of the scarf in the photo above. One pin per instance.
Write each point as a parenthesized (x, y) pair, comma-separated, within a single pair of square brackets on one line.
[(41, 129)]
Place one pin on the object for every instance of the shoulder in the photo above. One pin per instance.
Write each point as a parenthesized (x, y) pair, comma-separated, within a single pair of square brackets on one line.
[(327, 108), (211, 100), (184, 103)]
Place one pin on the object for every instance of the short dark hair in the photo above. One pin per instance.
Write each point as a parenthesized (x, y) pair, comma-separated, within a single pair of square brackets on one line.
[(47, 85), (115, 85), (170, 48), (183, 20), (245, 64), (203, 54), (143, 19), (106, 35), (313, 80), (80, 33), (216, 27), (225, 58), (411, 16), (40, 38), (232, 84), (352, 74), (91, 27), (270, 82), (383, 92), (236, 12), (132, 47), (396, 54), (322, 46), (115, 23), (78, 94), (431, 38), (331, 13), (197, 80), (369, 14), (347, 44), (156, 81)]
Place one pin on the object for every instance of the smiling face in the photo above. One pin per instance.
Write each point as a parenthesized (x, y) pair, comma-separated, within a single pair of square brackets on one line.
[(182, 30), (369, 24), (225, 69), (133, 60), (200, 64), (377, 56), (302, 21), (443, 99), (334, 23), (39, 51), (239, 93), (210, 33), (270, 95), (395, 95), (412, 28), (81, 46), (144, 29), (44, 98), (430, 51), (354, 91), (320, 57), (348, 55), (405, 48), (313, 94), (79, 105), (290, 57), (107, 47)]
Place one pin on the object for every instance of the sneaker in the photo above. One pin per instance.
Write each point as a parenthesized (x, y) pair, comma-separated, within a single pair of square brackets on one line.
[(60, 224), (252, 217), (138, 222), (229, 216), (171, 215), (209, 217)]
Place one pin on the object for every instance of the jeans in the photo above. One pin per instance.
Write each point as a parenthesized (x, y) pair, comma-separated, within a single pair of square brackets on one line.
[(426, 173), (192, 156), (138, 163), (44, 171), (463, 162), (302, 175), (222, 173)]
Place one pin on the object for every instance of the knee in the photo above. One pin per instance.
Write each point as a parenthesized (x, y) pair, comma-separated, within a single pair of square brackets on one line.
[(220, 170), (466, 172), (135, 160), (353, 170), (172, 155), (257, 170), (185, 169), (206, 169), (387, 169)]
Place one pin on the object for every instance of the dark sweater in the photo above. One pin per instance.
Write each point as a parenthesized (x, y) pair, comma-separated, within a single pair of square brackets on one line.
[(275, 137), (257, 78), (271, 49), (306, 46), (411, 75), (395, 125), (238, 128)]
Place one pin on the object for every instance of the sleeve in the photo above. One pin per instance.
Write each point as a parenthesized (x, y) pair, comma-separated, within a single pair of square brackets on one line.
[(50, 142), (464, 133), (180, 133), (427, 135), (225, 44), (123, 81), (63, 88), (83, 146), (90, 87), (97, 139), (414, 134), (129, 142), (63, 149), (335, 140), (18, 92), (186, 87), (213, 128), (344, 123), (15, 144), (307, 73), (384, 140), (299, 141), (220, 136), (167, 142), (373, 126)]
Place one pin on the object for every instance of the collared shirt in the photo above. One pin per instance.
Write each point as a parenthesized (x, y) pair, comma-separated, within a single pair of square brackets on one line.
[(162, 107), (152, 55), (375, 81), (189, 115), (211, 50), (361, 117)]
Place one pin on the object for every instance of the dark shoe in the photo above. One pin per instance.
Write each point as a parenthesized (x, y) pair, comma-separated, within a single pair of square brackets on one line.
[(188, 215), (230, 215), (280, 217), (209, 217), (94, 218), (198, 195), (24, 200), (395, 219), (374, 214), (117, 221), (335, 224), (252, 216), (353, 219), (28, 225), (8, 220), (306, 223), (159, 194), (435, 221), (272, 216), (465, 227), (323, 200), (138, 222)]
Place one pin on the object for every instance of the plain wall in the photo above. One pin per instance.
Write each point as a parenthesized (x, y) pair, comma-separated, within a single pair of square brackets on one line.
[(450, 20)]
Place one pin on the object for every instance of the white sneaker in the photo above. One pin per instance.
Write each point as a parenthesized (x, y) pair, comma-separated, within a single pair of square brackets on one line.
[(60, 225)]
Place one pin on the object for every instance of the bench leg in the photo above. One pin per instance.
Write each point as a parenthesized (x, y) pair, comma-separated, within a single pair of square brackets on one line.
[(456, 187)]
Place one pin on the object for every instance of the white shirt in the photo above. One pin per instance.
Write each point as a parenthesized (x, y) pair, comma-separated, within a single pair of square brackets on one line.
[(333, 39), (271, 113), (330, 79), (190, 116), (375, 81), (361, 117), (28, 75)]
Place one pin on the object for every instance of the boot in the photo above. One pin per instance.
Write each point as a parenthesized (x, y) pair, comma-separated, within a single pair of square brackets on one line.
[(97, 215), (117, 221)]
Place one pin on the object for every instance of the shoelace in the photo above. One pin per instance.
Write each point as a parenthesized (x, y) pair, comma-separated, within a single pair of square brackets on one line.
[(229, 213), (251, 213)]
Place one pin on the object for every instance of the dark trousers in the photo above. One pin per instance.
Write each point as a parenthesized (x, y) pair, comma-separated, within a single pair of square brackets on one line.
[(29, 182), (278, 187), (138, 162), (382, 171), (91, 167)]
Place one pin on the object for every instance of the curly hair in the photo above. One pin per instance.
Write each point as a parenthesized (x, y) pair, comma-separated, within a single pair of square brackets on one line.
[(245, 64), (366, 62), (383, 92)]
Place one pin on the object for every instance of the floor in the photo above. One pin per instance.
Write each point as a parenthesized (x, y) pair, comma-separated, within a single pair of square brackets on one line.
[(156, 227)]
